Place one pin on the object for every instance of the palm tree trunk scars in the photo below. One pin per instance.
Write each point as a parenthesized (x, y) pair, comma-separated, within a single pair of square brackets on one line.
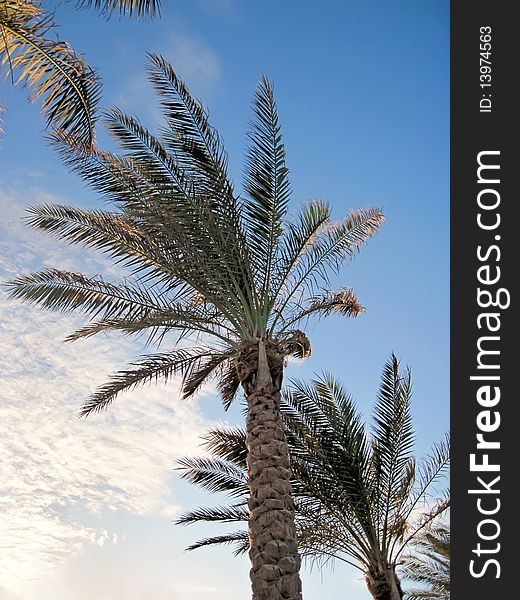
[(275, 562), (384, 584)]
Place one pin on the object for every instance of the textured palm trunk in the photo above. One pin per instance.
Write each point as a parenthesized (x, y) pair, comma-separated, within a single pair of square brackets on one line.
[(384, 584), (275, 562)]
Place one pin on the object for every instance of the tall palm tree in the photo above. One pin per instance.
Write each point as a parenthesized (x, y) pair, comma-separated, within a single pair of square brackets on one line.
[(230, 273), (429, 564), (356, 497), (52, 70)]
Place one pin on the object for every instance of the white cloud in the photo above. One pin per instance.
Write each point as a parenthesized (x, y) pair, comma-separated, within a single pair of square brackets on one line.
[(193, 60), (60, 475)]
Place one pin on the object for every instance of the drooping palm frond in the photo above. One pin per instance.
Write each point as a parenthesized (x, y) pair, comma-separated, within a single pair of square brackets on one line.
[(330, 245), (151, 368), (130, 8), (429, 564), (214, 475), (51, 70), (239, 539), (229, 443), (341, 474), (342, 302)]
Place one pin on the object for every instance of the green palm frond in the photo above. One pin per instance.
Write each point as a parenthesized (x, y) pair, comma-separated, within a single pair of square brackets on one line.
[(429, 565), (329, 247), (51, 70), (123, 238), (266, 183), (130, 8), (150, 368), (65, 291), (239, 539), (229, 443), (112, 176), (190, 138), (392, 442), (429, 470), (207, 370), (214, 475), (228, 384)]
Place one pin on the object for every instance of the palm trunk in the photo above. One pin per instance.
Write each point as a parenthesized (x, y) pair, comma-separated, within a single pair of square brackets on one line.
[(384, 584), (275, 562)]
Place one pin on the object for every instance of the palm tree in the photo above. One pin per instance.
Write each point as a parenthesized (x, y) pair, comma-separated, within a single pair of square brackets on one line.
[(231, 274), (356, 496), (52, 70), (429, 565)]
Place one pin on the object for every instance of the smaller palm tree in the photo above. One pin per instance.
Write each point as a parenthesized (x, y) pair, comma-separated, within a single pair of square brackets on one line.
[(358, 498), (429, 565)]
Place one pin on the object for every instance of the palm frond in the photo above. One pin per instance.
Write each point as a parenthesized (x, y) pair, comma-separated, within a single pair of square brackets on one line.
[(130, 308), (438, 509), (430, 469), (150, 368), (298, 236), (51, 70), (65, 291), (429, 564), (327, 250), (214, 475), (130, 8), (228, 384), (342, 302), (121, 237), (212, 367), (228, 443), (239, 539), (112, 176), (392, 441), (190, 138), (266, 183)]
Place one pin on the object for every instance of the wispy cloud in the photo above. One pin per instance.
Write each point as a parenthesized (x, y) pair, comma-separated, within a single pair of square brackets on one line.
[(193, 59), (60, 475)]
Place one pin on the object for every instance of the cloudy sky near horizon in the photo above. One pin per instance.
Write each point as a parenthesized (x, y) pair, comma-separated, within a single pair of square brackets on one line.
[(87, 504)]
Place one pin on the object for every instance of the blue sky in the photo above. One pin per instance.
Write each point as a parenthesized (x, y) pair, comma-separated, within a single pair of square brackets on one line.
[(363, 94)]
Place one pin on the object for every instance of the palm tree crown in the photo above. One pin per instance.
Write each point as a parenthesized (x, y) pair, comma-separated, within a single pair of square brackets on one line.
[(205, 264), (357, 497)]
